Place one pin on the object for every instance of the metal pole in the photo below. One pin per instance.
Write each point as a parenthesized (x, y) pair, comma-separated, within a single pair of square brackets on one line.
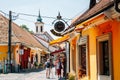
[(9, 42), (67, 58)]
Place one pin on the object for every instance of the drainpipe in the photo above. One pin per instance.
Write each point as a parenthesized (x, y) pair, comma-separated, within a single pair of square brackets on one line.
[(67, 58)]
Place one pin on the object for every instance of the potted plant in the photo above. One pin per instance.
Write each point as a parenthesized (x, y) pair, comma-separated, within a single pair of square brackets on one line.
[(71, 76)]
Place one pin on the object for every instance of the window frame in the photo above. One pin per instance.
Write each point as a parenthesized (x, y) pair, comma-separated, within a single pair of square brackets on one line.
[(99, 39), (84, 40)]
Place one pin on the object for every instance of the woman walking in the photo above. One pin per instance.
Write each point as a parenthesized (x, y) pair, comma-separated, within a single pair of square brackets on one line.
[(59, 67)]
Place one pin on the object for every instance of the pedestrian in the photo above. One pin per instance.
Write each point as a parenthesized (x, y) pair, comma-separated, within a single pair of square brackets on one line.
[(51, 66), (55, 63), (59, 67), (47, 65)]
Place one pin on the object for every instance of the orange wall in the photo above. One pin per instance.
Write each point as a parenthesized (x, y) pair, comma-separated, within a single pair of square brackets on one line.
[(116, 50), (110, 26), (3, 52)]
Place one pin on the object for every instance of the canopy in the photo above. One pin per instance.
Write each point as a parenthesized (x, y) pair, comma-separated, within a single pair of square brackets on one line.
[(57, 51), (59, 40)]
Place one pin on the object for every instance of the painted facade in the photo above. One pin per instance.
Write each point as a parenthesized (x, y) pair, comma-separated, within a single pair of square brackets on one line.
[(96, 53), (94, 43), (22, 44)]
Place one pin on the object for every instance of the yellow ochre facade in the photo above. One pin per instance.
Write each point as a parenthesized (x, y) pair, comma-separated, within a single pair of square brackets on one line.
[(97, 49)]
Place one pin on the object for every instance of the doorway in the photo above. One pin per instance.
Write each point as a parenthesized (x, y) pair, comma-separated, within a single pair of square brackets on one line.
[(104, 57)]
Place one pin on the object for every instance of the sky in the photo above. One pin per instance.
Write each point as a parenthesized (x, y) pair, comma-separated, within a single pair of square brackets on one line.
[(68, 9)]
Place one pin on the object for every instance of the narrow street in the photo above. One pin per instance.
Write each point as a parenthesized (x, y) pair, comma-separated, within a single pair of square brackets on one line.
[(38, 75)]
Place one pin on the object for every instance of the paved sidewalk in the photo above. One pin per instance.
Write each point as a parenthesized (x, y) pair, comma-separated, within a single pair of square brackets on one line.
[(41, 75)]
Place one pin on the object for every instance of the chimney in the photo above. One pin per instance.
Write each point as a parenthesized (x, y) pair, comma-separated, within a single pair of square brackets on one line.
[(92, 3)]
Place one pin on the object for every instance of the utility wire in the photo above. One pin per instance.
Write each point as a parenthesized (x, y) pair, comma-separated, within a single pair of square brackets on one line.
[(26, 20), (32, 21), (18, 16), (41, 16)]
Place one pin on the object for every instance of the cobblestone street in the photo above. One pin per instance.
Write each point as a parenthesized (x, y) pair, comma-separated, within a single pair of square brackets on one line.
[(40, 75)]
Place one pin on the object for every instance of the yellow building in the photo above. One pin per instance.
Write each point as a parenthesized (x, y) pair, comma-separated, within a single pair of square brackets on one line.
[(22, 44), (94, 53)]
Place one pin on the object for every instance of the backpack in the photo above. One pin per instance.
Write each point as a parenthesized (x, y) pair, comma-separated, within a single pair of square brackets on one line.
[(48, 65)]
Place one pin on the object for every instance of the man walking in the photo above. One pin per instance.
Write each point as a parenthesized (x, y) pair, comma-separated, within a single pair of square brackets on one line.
[(47, 64)]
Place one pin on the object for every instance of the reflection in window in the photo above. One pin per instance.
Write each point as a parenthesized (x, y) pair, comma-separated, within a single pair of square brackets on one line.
[(83, 58), (104, 58)]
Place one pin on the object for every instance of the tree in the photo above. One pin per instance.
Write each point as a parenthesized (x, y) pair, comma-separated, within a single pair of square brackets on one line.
[(26, 28)]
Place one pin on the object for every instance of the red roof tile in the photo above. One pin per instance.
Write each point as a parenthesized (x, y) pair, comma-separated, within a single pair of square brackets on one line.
[(18, 34), (98, 7)]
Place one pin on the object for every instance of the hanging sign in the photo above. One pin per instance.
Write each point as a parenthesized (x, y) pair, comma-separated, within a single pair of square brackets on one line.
[(59, 26), (55, 33)]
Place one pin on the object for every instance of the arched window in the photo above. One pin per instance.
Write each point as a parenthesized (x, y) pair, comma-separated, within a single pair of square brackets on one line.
[(36, 28), (41, 29)]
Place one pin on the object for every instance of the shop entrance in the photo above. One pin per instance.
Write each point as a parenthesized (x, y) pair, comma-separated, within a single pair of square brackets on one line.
[(104, 57)]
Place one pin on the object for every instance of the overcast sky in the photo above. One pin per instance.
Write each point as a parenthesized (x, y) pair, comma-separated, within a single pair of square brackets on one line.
[(68, 9)]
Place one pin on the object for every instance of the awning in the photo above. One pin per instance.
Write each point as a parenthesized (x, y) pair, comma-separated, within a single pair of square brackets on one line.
[(59, 40), (57, 51)]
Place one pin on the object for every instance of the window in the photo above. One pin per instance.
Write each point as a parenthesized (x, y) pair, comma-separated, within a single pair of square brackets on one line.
[(41, 29), (36, 28), (104, 57), (83, 57)]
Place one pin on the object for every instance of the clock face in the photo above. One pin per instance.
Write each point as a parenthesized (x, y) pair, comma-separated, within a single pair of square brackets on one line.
[(59, 26)]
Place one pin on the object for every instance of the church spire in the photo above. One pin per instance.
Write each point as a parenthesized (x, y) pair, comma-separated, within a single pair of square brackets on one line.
[(39, 19)]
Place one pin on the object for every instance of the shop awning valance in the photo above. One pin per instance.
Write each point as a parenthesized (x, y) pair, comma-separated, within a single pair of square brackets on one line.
[(57, 51), (59, 40)]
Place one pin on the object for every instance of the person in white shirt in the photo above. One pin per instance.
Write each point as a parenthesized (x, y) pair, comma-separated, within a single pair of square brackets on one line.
[(47, 65)]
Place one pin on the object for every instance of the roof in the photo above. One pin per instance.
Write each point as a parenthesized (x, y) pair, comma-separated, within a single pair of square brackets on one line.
[(18, 34), (39, 18), (98, 8), (45, 36), (45, 44)]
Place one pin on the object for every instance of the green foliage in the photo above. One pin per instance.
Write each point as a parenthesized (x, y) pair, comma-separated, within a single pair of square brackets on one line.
[(36, 64), (40, 64), (26, 28), (71, 76)]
